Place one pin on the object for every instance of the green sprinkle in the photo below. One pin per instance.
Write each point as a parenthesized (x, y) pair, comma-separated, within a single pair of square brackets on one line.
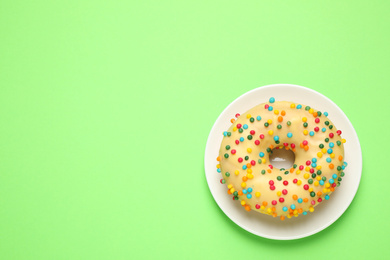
[(331, 126), (326, 139), (227, 147), (240, 130), (312, 194), (269, 150), (324, 178), (279, 126), (235, 193), (250, 137), (295, 166), (305, 124), (226, 155), (262, 171), (321, 146), (338, 143), (342, 174), (310, 181), (286, 172), (326, 122), (266, 124), (307, 108), (319, 113), (279, 178), (339, 168), (288, 123), (229, 133), (259, 161), (223, 181), (252, 119), (313, 175), (319, 172), (227, 174), (246, 158)]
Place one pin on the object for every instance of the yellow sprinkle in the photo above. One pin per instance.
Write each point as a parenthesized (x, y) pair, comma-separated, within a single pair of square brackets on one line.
[(234, 129), (243, 202), (298, 172), (230, 186), (269, 210), (236, 172), (306, 176), (250, 176), (295, 212), (305, 132), (328, 190), (276, 112), (316, 183), (270, 132), (269, 121), (292, 105), (280, 147), (249, 150), (318, 178), (262, 207), (218, 166), (304, 119), (249, 170), (279, 193), (318, 167), (307, 168), (299, 182), (311, 189), (243, 184), (288, 216), (311, 110), (257, 194), (263, 160), (343, 140), (232, 190), (311, 209), (323, 150), (327, 185), (324, 190), (319, 154), (248, 116), (332, 155)]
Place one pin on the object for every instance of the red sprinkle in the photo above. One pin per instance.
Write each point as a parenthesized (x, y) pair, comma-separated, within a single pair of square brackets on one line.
[(285, 183), (274, 202), (253, 162), (233, 151), (339, 132), (257, 206), (252, 132), (239, 125), (317, 120), (221, 181), (334, 185), (266, 106), (319, 200), (331, 135), (295, 181), (271, 182), (237, 115), (261, 136), (257, 142), (240, 159), (237, 142), (270, 166), (292, 146), (306, 187), (305, 142), (312, 170), (301, 167), (308, 162), (272, 187), (284, 192), (281, 199), (316, 129), (285, 144)]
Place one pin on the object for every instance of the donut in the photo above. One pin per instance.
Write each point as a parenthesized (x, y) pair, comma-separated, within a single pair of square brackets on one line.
[(250, 177)]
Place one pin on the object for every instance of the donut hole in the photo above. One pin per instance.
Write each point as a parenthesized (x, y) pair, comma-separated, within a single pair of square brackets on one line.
[(282, 158)]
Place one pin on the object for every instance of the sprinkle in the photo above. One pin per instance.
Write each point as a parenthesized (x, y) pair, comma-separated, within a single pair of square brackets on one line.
[(325, 113), (258, 118), (323, 129), (272, 100), (311, 133), (284, 209), (326, 197), (249, 196), (299, 106), (261, 154), (241, 139), (292, 206), (289, 135), (276, 138), (330, 151), (300, 200), (270, 108)]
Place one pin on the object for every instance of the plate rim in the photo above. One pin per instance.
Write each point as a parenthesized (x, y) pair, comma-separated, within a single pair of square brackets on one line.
[(332, 220)]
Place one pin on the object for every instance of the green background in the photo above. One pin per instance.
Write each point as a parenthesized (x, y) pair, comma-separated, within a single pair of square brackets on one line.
[(106, 106)]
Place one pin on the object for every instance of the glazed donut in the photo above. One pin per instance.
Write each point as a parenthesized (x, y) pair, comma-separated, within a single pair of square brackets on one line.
[(251, 179)]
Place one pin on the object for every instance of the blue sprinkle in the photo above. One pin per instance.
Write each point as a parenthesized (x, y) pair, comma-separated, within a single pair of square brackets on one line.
[(328, 160), (300, 200), (326, 197), (331, 145), (326, 113), (292, 206), (244, 191), (314, 160), (276, 138), (241, 139), (289, 135), (345, 163), (313, 165), (272, 100), (245, 126), (284, 209), (225, 133), (334, 176), (244, 167), (249, 196), (343, 167), (249, 189), (299, 106), (330, 151), (261, 154), (270, 108), (331, 181), (304, 213), (258, 118), (311, 133), (218, 170), (321, 182), (323, 129)]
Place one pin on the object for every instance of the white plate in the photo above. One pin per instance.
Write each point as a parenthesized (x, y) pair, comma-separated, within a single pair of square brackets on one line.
[(325, 213)]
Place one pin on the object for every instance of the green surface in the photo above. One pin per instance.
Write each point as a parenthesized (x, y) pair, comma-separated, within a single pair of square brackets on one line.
[(106, 107)]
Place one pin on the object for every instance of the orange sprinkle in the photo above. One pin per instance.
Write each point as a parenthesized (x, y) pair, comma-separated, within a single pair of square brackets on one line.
[(269, 171), (332, 189), (248, 165), (280, 119), (291, 214), (232, 120), (319, 193), (240, 192), (315, 114), (287, 148), (306, 147), (273, 209), (294, 150), (247, 208), (274, 215), (229, 192), (340, 157), (295, 197), (271, 146), (292, 170), (300, 210), (283, 113), (301, 145), (282, 217), (305, 200), (244, 178), (219, 158), (265, 203), (290, 210), (331, 165)]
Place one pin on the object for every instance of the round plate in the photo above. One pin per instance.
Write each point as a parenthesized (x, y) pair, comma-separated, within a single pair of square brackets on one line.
[(325, 213)]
